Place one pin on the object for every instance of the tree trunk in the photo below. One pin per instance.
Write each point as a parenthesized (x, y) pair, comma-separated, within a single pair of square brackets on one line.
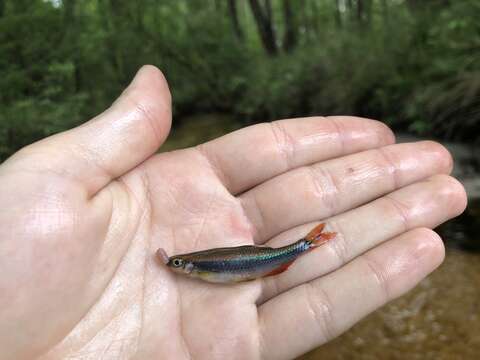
[(338, 14), (109, 12), (305, 18), (386, 20), (290, 38), (350, 4), (364, 8), (264, 25), (314, 16), (368, 11), (385, 10), (70, 31), (69, 11), (268, 10), (360, 11), (21, 6), (233, 12)]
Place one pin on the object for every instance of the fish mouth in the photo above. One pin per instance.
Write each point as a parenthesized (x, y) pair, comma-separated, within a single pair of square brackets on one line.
[(162, 256)]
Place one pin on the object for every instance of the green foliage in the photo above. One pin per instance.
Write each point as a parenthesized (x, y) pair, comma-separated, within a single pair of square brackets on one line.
[(413, 64), (450, 95), (50, 111)]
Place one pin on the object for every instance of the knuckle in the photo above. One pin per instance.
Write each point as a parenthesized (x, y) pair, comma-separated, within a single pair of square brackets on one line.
[(325, 186), (379, 277), (148, 113), (284, 142), (401, 209), (386, 160), (340, 131), (321, 310), (340, 244)]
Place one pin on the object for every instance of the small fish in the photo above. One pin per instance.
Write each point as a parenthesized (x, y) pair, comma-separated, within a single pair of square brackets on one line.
[(243, 263)]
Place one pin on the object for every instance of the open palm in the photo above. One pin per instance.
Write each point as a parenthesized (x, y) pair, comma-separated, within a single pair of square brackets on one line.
[(83, 213)]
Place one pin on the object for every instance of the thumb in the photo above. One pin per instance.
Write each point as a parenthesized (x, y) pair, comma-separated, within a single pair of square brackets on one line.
[(114, 142)]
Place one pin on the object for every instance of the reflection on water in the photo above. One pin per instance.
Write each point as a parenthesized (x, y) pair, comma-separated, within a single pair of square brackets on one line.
[(439, 319)]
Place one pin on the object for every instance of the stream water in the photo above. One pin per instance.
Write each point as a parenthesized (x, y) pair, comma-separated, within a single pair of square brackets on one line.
[(439, 319)]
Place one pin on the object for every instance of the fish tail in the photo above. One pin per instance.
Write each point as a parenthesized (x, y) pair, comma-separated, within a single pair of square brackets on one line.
[(317, 237)]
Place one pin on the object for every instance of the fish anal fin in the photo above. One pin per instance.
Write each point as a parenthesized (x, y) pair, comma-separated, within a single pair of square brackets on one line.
[(280, 269)]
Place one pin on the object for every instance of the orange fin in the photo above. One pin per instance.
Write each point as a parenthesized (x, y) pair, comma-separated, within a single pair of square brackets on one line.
[(317, 237), (280, 269)]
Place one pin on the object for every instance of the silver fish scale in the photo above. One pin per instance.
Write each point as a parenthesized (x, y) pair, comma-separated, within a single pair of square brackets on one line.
[(246, 261)]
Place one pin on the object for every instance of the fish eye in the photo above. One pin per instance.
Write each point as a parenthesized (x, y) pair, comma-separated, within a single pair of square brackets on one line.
[(177, 262)]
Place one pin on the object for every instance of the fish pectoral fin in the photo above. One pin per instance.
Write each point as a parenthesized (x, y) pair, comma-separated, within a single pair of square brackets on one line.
[(280, 269)]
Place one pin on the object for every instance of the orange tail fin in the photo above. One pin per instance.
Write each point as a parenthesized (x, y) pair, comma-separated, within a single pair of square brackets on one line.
[(317, 237)]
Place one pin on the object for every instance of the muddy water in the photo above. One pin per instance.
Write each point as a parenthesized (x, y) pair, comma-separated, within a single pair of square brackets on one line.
[(439, 319)]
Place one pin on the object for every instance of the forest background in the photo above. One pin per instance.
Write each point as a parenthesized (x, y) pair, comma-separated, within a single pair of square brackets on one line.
[(413, 64)]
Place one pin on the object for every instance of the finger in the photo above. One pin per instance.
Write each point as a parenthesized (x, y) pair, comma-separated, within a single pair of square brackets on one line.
[(313, 313), (328, 188), (425, 204), (112, 143), (249, 156)]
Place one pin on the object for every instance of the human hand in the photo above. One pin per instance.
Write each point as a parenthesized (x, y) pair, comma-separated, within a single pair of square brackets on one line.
[(84, 211)]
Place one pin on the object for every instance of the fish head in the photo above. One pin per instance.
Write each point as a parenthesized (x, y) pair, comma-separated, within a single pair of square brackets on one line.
[(180, 264)]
